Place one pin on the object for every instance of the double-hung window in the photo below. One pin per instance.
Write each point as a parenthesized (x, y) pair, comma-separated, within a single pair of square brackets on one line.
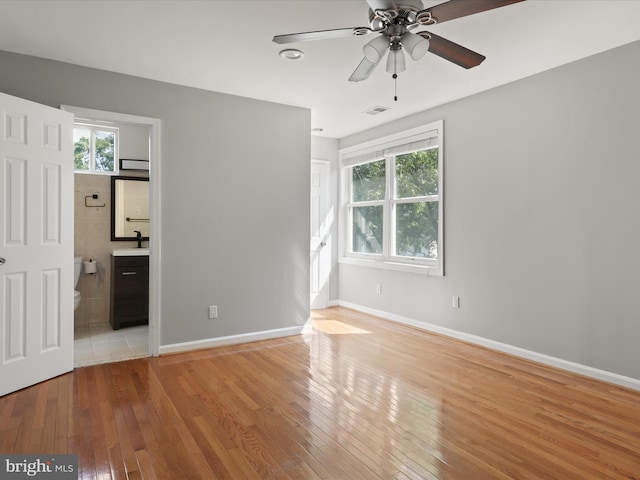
[(392, 201), (95, 149)]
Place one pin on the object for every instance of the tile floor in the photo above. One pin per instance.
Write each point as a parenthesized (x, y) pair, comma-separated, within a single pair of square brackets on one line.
[(96, 344)]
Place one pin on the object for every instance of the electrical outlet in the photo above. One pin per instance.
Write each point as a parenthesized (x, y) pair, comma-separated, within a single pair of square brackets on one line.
[(379, 289), (213, 311), (455, 301)]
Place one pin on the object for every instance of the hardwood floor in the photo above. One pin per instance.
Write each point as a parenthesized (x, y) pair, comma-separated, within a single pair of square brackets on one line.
[(358, 398)]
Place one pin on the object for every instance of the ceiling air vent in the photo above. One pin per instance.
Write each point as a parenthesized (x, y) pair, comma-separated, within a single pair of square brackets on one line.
[(376, 110)]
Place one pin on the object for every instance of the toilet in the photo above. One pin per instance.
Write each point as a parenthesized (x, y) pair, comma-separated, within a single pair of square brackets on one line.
[(77, 268)]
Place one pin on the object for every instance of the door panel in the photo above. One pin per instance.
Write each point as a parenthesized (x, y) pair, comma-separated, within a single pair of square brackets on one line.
[(36, 241), (15, 221)]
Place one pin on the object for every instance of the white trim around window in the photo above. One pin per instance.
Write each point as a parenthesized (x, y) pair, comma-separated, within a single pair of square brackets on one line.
[(378, 203)]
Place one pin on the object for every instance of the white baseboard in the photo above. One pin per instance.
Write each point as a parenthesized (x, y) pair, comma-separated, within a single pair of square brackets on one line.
[(503, 347), (230, 340)]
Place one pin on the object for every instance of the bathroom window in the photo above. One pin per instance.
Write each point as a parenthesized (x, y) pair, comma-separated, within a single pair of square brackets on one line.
[(95, 149)]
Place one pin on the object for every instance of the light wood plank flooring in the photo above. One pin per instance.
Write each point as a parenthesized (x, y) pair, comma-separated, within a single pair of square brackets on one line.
[(357, 398)]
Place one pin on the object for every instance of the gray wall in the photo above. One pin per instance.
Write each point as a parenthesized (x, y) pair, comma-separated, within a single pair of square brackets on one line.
[(542, 217), (234, 193)]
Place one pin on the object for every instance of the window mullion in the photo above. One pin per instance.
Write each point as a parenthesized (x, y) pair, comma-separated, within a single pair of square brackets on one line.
[(369, 203), (426, 198), (92, 149), (389, 210)]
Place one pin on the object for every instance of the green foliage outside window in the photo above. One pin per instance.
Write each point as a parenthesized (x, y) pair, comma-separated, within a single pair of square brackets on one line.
[(105, 149), (368, 184), (369, 181), (82, 153), (417, 174), (417, 222), (367, 229), (417, 229)]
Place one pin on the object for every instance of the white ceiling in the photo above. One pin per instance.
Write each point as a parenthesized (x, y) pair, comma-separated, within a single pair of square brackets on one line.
[(226, 46)]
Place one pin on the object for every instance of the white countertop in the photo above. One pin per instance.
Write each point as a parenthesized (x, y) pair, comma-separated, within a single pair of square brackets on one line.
[(130, 252)]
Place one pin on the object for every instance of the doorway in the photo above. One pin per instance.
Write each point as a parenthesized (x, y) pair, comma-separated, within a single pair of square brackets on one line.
[(321, 222), (95, 341)]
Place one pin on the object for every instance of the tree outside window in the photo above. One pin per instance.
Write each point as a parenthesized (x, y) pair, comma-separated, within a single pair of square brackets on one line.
[(368, 183), (416, 204)]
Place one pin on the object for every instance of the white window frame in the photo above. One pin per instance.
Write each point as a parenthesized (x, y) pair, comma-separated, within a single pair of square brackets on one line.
[(388, 148), (93, 127)]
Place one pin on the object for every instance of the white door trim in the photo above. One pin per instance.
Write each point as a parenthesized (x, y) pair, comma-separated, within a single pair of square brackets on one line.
[(155, 255)]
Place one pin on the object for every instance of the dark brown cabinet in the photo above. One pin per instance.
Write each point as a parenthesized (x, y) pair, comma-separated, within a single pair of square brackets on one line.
[(129, 291)]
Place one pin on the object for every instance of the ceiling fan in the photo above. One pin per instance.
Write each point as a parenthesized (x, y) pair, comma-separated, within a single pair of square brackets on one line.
[(394, 20)]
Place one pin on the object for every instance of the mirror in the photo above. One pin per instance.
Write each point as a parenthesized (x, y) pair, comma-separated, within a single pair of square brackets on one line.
[(129, 208)]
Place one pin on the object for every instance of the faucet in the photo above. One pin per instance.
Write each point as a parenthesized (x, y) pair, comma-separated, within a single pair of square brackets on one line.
[(139, 238)]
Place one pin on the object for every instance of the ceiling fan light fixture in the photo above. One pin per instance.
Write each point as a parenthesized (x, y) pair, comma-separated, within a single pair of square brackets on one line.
[(376, 48), (395, 62), (291, 54), (415, 45)]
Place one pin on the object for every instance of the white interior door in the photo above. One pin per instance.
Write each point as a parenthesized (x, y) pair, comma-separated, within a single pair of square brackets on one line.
[(320, 234), (36, 243)]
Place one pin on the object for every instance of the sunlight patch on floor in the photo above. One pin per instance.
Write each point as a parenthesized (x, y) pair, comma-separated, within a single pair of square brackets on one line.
[(334, 327)]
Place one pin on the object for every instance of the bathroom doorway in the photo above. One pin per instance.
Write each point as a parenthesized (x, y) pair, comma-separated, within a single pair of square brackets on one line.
[(95, 341)]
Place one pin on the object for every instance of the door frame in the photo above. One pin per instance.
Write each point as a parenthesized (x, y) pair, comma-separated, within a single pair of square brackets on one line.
[(155, 241)]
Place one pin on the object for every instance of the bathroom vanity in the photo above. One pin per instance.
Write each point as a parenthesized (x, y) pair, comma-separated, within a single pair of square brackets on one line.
[(129, 287)]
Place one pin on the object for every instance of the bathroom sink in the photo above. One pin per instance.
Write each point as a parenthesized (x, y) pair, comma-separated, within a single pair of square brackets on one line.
[(130, 252)]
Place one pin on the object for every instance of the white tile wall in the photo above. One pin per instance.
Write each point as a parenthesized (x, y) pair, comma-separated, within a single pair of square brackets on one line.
[(93, 241)]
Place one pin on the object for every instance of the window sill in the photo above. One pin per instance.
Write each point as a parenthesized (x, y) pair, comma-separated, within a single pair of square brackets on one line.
[(390, 265)]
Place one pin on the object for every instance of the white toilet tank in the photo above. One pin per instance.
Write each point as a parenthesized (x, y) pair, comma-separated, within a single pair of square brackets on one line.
[(77, 268)]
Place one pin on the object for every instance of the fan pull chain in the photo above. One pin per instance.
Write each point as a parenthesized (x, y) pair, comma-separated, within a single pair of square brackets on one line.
[(395, 87)]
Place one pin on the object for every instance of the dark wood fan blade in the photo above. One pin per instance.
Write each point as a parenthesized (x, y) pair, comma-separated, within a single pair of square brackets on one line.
[(381, 4), (319, 35), (461, 8), (452, 51), (363, 70)]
